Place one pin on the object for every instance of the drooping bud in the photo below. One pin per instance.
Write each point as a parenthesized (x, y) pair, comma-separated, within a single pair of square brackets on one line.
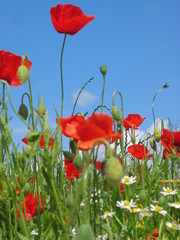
[(41, 108), (157, 134), (112, 169), (72, 145), (153, 143), (116, 113), (23, 111), (32, 137), (23, 74), (68, 155), (103, 69), (85, 232), (78, 162)]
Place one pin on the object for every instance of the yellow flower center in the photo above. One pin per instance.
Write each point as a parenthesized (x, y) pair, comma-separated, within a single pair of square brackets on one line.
[(106, 213), (145, 214), (168, 190), (126, 203), (176, 203), (158, 208), (140, 206), (126, 180), (135, 209), (174, 226)]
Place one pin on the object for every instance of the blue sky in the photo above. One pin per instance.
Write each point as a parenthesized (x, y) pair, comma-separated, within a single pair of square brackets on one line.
[(138, 40)]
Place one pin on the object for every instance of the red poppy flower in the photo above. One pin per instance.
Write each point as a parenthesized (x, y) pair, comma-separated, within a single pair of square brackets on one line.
[(41, 141), (86, 132), (170, 142), (139, 151), (68, 18), (133, 119), (9, 64), (31, 202), (154, 235), (71, 171)]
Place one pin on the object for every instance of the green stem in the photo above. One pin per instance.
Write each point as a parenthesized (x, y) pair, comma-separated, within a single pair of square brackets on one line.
[(102, 101)]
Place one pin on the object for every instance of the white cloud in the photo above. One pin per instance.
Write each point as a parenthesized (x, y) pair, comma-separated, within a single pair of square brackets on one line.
[(86, 98)]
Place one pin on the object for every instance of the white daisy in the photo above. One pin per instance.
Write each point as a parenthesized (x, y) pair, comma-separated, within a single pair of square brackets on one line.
[(128, 180), (107, 214), (168, 191), (126, 204), (175, 205), (145, 213), (158, 209), (103, 237), (173, 225)]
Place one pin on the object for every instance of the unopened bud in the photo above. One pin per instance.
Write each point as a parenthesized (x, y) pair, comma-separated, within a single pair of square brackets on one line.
[(153, 143), (28, 150), (103, 69), (78, 162), (41, 108), (23, 74), (72, 145), (157, 134), (133, 138), (32, 137), (23, 111), (116, 113), (68, 155)]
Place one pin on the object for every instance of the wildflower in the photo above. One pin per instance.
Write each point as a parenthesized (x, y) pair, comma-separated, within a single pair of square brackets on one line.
[(158, 209), (9, 64), (102, 237), (126, 204), (154, 235), (128, 180), (107, 214), (133, 119), (170, 142), (71, 171), (87, 131), (68, 18), (31, 202), (168, 191), (139, 151), (136, 210), (145, 213), (175, 205), (41, 141), (173, 225)]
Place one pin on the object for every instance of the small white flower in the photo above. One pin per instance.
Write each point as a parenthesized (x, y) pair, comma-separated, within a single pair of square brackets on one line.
[(145, 213), (107, 214), (33, 232), (126, 204), (104, 237), (136, 210), (175, 205), (158, 209), (168, 191), (74, 231), (173, 225), (128, 180)]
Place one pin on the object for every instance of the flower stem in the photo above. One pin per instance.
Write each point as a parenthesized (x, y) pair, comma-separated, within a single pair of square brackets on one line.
[(102, 101)]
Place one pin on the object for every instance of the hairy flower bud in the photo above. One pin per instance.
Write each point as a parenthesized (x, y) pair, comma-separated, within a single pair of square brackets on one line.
[(78, 162), (68, 155), (116, 113), (157, 134), (153, 143), (23, 74), (72, 145), (32, 137), (28, 150), (41, 108), (112, 169), (103, 69), (23, 111), (85, 232)]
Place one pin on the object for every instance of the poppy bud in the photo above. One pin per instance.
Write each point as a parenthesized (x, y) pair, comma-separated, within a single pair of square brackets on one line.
[(78, 162), (103, 69), (28, 150), (112, 169), (72, 145), (85, 232), (68, 155), (157, 134), (23, 74), (41, 108), (116, 113), (133, 138), (32, 137), (153, 143), (23, 111)]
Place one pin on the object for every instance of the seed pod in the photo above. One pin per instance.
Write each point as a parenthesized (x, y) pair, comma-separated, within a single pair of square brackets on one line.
[(32, 137), (112, 169), (23, 111), (85, 232), (68, 155), (41, 108), (78, 162), (116, 113), (103, 69), (23, 74), (157, 134)]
